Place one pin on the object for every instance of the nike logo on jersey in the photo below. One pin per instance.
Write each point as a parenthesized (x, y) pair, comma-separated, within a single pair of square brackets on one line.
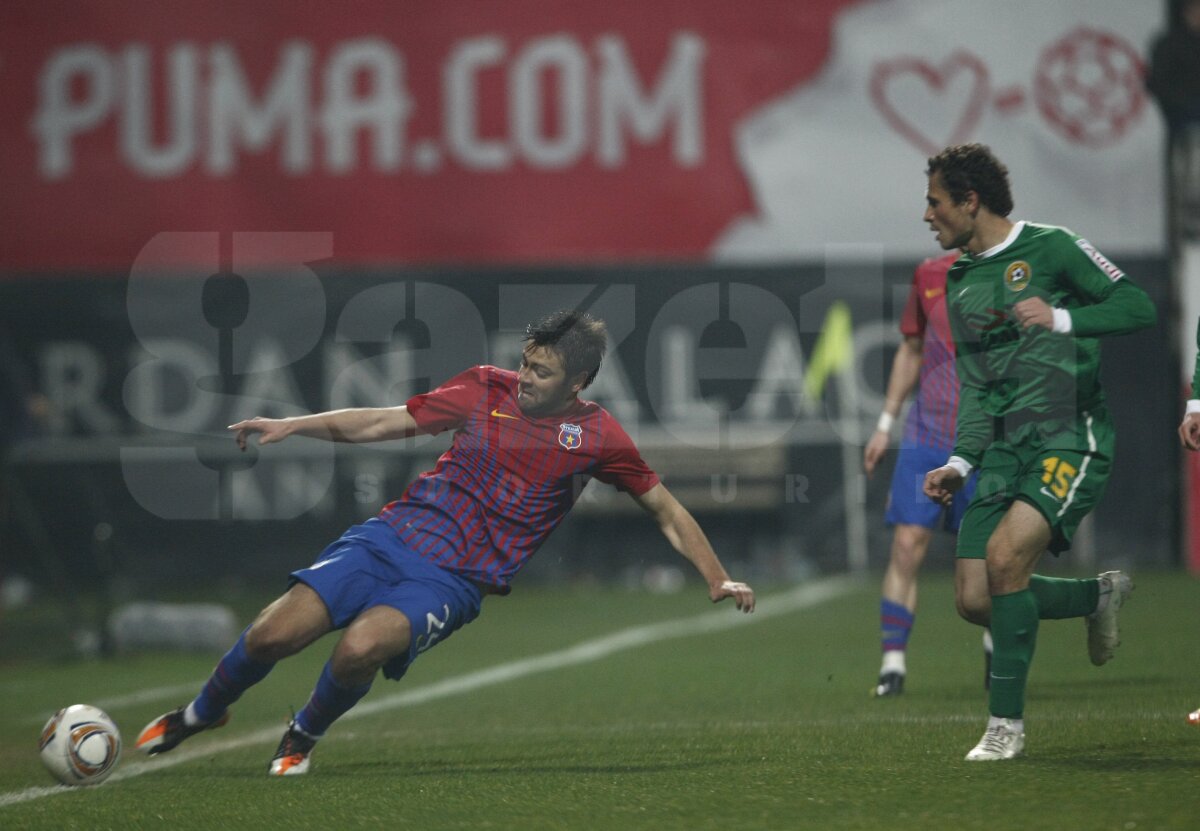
[(932, 293), (499, 414)]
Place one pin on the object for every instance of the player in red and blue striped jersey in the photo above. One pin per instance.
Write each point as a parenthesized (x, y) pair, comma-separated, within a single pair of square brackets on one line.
[(524, 446), (924, 361), (512, 474)]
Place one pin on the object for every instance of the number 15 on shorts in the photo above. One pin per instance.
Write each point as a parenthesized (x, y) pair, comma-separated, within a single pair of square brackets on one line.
[(1058, 476)]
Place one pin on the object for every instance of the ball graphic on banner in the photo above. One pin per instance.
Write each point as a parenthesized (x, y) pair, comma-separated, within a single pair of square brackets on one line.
[(1088, 85)]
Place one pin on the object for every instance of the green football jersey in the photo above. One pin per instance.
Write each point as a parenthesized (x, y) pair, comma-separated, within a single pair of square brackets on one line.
[(1196, 376), (1023, 375)]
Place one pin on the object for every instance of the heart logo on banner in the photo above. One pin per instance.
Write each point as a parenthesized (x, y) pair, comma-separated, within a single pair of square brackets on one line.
[(931, 106)]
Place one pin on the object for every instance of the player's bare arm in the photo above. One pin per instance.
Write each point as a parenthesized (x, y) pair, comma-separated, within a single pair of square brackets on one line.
[(363, 424), (906, 369), (685, 535), (942, 483), (1189, 431)]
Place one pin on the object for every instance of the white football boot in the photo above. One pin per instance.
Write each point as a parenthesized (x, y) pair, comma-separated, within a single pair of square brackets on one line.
[(1002, 740), (1103, 635)]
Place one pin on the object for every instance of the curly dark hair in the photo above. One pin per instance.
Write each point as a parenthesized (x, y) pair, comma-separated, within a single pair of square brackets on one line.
[(578, 338), (967, 167)]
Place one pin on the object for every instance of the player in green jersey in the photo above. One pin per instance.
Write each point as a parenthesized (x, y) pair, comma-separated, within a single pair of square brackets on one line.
[(1027, 303), (1189, 428), (1189, 435)]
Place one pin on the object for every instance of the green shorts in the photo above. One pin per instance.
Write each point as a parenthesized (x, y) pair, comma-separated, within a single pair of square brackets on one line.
[(1059, 467)]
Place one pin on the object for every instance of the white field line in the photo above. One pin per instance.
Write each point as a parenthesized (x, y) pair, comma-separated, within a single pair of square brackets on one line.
[(802, 597), (185, 691)]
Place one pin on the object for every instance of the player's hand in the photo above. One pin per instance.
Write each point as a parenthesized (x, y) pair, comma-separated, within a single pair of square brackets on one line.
[(875, 450), (1189, 431), (742, 594), (269, 430), (941, 484), (1034, 311)]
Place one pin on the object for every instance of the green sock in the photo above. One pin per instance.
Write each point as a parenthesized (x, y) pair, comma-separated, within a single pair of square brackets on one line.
[(1014, 635), (1061, 598)]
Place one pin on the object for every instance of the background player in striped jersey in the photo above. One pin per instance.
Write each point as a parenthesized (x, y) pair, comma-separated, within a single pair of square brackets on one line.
[(524, 445), (925, 355), (1027, 306)]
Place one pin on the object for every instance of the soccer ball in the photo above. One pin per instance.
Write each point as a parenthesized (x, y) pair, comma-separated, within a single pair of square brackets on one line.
[(80, 745)]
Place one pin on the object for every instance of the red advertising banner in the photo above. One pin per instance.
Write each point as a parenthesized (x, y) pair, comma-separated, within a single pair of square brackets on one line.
[(415, 132), (481, 132)]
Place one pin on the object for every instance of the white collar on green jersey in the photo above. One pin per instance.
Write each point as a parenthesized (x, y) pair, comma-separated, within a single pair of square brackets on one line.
[(1017, 228)]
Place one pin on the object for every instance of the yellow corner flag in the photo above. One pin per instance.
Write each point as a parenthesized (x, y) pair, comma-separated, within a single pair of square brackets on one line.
[(834, 350)]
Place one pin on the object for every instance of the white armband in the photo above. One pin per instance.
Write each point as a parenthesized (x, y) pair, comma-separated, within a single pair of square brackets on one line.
[(960, 465), (886, 420), (1062, 322), (1193, 406)]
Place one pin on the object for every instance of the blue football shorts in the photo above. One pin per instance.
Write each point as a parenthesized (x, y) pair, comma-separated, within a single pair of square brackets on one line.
[(907, 503), (371, 566)]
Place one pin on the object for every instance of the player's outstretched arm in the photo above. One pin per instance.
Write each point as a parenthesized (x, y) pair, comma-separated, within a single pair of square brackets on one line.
[(685, 535), (364, 424), (1189, 431)]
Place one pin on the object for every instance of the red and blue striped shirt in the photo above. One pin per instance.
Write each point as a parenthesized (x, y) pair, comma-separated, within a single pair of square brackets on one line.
[(931, 420), (508, 479)]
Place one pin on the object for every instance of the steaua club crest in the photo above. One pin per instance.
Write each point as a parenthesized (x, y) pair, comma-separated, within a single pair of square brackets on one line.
[(1017, 275), (570, 436)]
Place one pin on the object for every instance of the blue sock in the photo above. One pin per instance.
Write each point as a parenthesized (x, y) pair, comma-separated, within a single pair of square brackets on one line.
[(235, 673), (329, 700), (895, 623)]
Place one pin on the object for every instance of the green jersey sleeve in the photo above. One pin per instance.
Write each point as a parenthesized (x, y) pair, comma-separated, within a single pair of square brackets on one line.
[(1196, 374), (1108, 302)]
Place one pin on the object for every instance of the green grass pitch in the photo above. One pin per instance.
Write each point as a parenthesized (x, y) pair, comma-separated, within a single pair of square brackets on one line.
[(766, 725)]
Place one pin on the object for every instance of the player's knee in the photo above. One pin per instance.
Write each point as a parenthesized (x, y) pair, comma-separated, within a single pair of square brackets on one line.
[(270, 640), (1003, 568), (906, 559), (973, 608), (967, 611), (909, 544), (289, 624), (359, 655)]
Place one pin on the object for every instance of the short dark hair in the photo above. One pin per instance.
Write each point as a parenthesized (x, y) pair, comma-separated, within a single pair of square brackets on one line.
[(967, 167), (578, 338)]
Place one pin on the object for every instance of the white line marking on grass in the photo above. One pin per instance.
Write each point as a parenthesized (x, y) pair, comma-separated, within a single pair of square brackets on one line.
[(139, 697), (802, 597), (810, 594), (155, 694)]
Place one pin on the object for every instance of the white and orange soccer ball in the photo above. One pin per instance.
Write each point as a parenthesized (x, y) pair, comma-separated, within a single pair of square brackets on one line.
[(80, 745)]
